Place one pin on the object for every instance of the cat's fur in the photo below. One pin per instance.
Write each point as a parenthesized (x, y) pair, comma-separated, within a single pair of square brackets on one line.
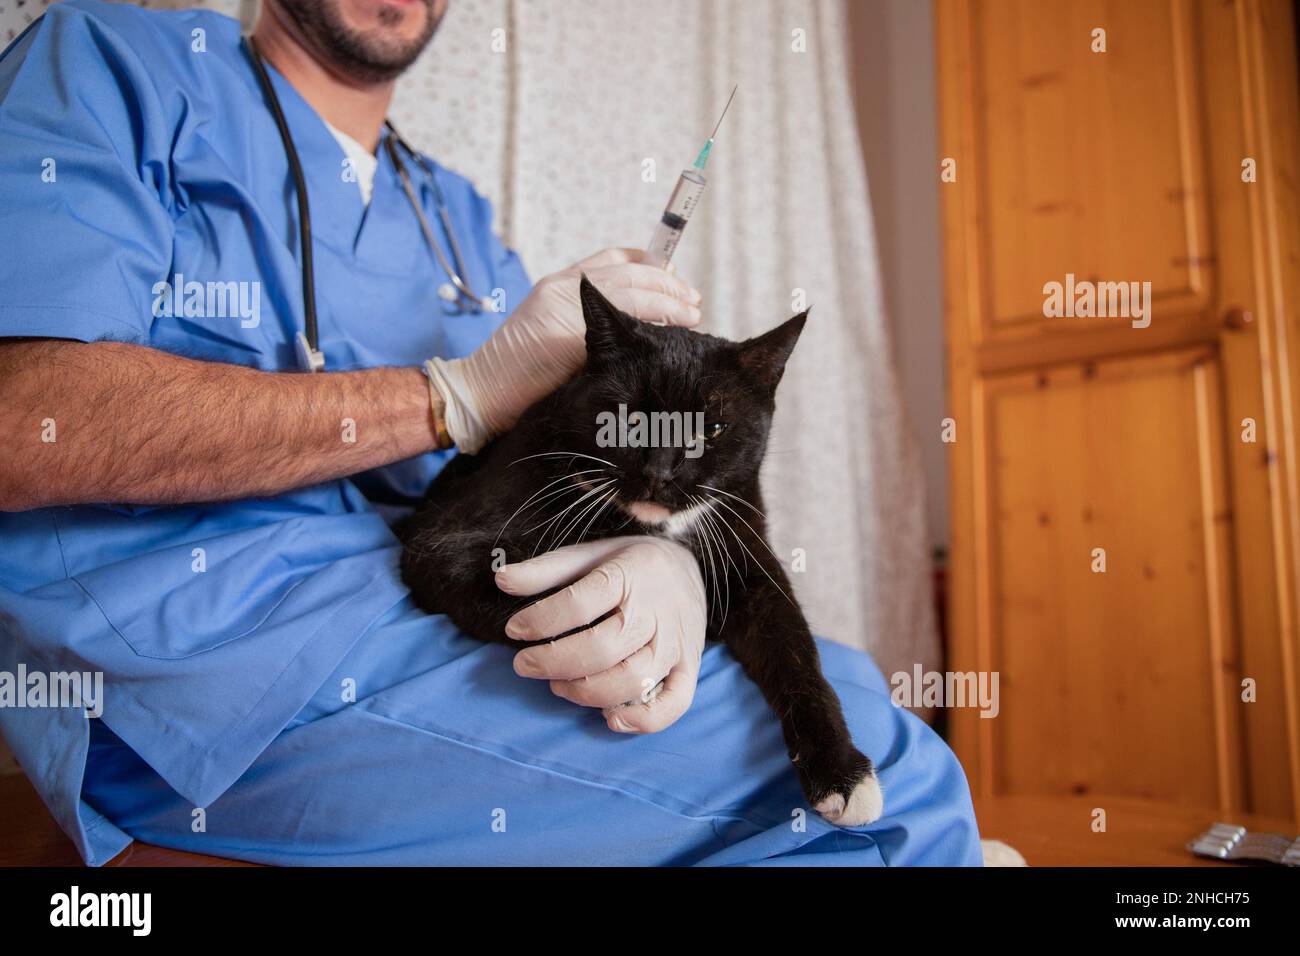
[(504, 497)]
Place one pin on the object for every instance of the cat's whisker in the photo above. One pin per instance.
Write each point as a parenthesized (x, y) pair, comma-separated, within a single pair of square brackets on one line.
[(610, 496), (705, 537), (545, 524), (562, 454), (715, 519), (750, 553), (747, 524), (726, 552), (549, 525), (577, 487), (590, 509), (579, 484), (559, 542), (535, 494), (710, 522), (587, 492), (736, 497), (706, 553)]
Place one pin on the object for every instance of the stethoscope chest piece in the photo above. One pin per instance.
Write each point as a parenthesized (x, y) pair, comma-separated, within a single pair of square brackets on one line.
[(309, 359)]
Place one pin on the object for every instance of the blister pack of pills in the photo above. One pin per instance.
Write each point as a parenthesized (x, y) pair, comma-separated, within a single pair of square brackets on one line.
[(1225, 841)]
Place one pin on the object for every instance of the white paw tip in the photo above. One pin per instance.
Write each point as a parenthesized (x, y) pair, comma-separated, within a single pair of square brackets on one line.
[(865, 804)]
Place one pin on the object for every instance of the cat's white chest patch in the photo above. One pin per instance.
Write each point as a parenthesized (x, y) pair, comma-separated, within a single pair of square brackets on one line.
[(681, 522)]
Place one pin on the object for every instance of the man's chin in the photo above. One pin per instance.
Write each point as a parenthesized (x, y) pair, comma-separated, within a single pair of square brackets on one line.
[(375, 40)]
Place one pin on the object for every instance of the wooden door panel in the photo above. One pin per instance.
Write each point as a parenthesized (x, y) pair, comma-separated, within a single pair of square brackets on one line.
[(1112, 682), (1274, 138), (1087, 433), (1089, 164)]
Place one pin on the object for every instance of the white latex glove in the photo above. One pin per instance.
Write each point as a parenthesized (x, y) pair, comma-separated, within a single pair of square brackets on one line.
[(542, 343), (656, 633)]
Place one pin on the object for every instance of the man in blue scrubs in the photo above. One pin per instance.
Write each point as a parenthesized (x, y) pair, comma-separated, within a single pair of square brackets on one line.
[(185, 514)]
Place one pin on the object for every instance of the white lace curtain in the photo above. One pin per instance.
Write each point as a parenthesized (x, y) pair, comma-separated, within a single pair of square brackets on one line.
[(557, 108)]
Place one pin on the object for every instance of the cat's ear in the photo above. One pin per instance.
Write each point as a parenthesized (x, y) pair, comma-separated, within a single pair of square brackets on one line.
[(764, 356), (608, 329)]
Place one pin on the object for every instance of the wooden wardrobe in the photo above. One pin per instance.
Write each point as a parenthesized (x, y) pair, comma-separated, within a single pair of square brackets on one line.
[(1079, 439)]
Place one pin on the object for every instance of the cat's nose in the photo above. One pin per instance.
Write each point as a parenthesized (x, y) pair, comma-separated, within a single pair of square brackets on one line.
[(657, 474), (660, 465)]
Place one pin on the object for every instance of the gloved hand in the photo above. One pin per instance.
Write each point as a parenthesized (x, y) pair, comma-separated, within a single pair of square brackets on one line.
[(542, 343), (656, 633)]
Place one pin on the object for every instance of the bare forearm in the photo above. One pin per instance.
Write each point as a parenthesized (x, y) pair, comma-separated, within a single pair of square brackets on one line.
[(124, 423)]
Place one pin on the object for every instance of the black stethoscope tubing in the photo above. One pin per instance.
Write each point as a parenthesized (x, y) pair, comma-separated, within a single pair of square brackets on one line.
[(310, 327), (300, 188)]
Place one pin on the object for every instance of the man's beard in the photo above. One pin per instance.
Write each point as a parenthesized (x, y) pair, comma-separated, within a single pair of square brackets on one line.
[(360, 55)]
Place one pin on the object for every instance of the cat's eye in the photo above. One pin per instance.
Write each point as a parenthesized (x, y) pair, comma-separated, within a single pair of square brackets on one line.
[(713, 430)]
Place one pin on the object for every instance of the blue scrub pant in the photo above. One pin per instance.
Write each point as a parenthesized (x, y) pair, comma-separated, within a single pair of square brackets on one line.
[(424, 747)]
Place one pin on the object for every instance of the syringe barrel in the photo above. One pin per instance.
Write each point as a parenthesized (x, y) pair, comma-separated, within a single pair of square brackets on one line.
[(681, 205)]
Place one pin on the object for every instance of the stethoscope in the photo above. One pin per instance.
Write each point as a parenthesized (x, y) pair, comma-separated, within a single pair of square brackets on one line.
[(310, 357)]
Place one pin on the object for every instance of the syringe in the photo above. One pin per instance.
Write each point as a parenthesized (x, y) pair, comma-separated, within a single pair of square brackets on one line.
[(681, 204)]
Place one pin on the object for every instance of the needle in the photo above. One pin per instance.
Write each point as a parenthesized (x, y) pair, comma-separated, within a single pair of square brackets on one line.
[(724, 112), (703, 158)]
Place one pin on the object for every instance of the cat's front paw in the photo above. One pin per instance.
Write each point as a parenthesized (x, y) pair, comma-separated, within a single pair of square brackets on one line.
[(846, 791)]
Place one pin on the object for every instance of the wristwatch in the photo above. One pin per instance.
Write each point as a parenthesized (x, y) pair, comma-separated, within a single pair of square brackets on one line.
[(439, 410)]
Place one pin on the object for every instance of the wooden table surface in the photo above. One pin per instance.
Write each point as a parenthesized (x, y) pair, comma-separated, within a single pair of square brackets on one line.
[(1057, 831)]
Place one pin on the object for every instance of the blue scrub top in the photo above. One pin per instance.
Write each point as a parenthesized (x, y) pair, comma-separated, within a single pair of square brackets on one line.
[(130, 153)]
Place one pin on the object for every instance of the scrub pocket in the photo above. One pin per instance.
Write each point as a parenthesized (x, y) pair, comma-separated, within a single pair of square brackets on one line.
[(174, 603)]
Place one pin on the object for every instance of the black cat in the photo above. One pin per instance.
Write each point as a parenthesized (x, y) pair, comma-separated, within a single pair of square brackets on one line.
[(502, 505)]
